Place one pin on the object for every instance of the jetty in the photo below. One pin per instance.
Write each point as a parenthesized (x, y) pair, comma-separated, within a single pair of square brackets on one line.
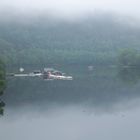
[(46, 74)]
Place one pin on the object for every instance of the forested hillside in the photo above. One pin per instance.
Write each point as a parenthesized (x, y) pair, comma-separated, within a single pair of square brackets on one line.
[(2, 85), (94, 40), (2, 77)]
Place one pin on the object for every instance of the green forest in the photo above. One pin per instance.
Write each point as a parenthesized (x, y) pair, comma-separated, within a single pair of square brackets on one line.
[(2, 77), (92, 41), (2, 85)]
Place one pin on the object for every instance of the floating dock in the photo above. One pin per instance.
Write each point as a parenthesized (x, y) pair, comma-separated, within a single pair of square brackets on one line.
[(47, 74)]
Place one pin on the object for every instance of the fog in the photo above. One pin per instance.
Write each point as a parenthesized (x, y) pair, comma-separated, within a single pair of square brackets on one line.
[(72, 124), (69, 8)]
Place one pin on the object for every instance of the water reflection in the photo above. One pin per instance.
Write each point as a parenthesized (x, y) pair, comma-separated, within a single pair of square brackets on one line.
[(2, 104), (95, 105), (99, 89)]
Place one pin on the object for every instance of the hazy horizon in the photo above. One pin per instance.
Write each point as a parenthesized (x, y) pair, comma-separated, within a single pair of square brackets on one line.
[(68, 9)]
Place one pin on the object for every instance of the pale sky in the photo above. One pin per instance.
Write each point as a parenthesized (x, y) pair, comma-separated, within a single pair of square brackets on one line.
[(72, 7)]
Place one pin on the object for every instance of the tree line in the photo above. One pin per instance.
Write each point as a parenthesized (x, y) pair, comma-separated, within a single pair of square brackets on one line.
[(95, 41), (129, 58), (2, 84)]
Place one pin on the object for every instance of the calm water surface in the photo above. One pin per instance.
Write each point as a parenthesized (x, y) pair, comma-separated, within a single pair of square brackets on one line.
[(102, 104)]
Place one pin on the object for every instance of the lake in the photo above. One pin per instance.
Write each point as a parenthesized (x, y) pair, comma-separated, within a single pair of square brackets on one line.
[(98, 104)]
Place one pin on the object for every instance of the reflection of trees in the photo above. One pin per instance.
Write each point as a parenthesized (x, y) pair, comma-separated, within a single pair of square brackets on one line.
[(1, 93), (2, 104), (129, 75)]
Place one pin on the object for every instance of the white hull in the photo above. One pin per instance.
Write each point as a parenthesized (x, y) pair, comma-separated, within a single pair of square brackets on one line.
[(60, 77), (28, 75)]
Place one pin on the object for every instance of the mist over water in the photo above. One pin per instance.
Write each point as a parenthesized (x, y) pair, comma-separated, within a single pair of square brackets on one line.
[(101, 103), (98, 104)]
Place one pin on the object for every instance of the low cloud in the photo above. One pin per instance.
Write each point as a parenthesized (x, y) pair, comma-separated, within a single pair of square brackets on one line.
[(70, 8)]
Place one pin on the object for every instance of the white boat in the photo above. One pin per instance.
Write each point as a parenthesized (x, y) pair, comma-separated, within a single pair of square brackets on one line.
[(48, 74), (59, 77)]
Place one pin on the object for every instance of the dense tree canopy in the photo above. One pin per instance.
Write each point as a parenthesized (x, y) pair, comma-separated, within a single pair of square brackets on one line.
[(95, 40), (2, 85), (129, 58), (2, 77)]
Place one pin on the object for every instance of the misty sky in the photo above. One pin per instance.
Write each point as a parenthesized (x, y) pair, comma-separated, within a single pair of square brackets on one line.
[(72, 7)]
